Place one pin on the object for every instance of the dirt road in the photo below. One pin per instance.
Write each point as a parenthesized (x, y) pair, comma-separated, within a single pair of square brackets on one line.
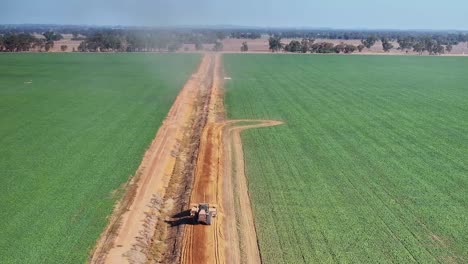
[(195, 157), (220, 180), (129, 237)]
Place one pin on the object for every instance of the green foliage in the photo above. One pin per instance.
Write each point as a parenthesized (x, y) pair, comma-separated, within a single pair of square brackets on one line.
[(102, 42), (245, 35), (438, 49), (218, 46), (449, 48), (293, 46), (349, 48), (306, 44), (323, 47), (18, 42), (198, 45), (48, 45), (73, 128), (244, 47), (370, 165), (386, 45), (369, 41), (360, 47), (340, 48), (274, 43), (220, 35), (418, 47), (406, 43), (52, 36)]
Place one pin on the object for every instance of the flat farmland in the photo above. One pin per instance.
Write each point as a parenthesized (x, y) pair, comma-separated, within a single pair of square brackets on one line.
[(73, 129), (371, 163)]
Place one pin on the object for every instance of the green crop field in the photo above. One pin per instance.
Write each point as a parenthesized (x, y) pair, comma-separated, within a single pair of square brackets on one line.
[(73, 128), (371, 165)]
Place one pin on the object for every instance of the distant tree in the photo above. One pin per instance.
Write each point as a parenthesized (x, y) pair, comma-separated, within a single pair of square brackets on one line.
[(305, 44), (106, 41), (63, 47), (419, 48), (386, 45), (218, 46), (314, 48), (369, 41), (244, 47), (220, 35), (350, 48), (82, 47), (405, 43), (48, 45), (1, 43), (173, 47), (245, 35), (18, 42), (198, 45), (430, 45), (52, 36), (39, 44), (77, 36), (275, 43), (322, 47), (340, 48), (293, 46), (360, 47), (438, 49), (449, 48)]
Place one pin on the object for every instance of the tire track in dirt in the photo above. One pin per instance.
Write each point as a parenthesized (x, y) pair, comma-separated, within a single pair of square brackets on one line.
[(236, 187)]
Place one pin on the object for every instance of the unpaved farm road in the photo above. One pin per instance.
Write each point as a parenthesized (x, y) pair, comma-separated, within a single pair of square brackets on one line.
[(195, 157), (220, 180)]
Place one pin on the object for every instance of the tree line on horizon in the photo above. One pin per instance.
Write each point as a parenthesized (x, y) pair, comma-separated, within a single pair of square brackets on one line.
[(100, 39), (407, 43), (25, 42)]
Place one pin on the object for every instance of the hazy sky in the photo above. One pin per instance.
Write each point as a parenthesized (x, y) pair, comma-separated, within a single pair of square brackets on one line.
[(373, 14)]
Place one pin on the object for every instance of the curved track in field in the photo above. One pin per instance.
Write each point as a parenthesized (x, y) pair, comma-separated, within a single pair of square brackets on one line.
[(220, 180)]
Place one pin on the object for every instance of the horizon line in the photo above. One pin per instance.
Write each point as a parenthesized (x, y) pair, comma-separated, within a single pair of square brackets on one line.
[(228, 26)]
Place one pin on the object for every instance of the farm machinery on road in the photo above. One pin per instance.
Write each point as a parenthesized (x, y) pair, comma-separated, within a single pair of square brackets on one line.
[(203, 213)]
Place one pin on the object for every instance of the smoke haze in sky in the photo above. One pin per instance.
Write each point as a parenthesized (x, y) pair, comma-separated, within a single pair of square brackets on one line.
[(372, 14)]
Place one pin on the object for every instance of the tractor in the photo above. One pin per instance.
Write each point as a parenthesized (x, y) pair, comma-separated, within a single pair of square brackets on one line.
[(203, 213)]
